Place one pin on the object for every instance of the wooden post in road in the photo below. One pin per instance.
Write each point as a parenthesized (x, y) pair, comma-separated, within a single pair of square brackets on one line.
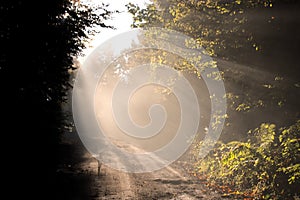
[(99, 164)]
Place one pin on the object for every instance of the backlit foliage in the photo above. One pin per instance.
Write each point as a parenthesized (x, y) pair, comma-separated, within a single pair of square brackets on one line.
[(215, 24), (266, 166)]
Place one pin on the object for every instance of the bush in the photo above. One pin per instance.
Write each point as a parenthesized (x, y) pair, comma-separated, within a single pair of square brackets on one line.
[(267, 166)]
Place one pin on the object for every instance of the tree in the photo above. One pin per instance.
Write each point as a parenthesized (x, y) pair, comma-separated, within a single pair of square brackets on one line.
[(255, 34), (39, 41), (216, 25)]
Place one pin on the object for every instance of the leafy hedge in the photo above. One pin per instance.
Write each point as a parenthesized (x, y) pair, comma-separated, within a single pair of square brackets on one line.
[(267, 166)]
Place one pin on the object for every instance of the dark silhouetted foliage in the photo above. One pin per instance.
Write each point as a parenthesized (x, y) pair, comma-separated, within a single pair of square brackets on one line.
[(38, 42)]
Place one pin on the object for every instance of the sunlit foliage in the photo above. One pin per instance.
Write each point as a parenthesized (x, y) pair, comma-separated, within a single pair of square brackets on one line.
[(216, 25), (266, 166), (221, 27)]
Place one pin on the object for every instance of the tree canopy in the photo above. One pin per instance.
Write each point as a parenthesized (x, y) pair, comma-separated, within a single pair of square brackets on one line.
[(39, 41), (253, 42)]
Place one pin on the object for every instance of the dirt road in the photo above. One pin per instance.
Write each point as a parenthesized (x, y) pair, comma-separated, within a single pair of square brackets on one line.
[(168, 183)]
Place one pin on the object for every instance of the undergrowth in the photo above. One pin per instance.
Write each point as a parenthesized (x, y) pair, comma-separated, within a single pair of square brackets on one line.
[(265, 166)]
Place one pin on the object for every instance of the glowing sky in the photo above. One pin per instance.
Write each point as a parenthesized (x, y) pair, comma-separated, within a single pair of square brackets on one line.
[(121, 21)]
